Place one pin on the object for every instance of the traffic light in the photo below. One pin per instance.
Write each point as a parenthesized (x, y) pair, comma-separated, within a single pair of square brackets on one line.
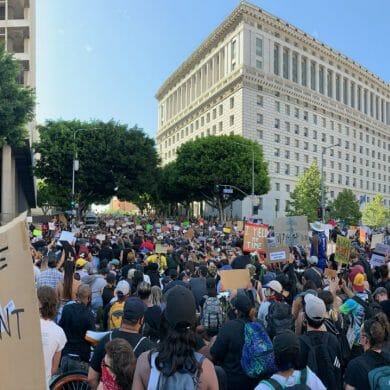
[(216, 187), (72, 202)]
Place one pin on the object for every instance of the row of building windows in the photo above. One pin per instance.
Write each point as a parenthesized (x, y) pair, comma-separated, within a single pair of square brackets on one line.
[(300, 69)]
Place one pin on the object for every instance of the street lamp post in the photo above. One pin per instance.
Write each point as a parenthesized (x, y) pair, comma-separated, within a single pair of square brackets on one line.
[(324, 149)]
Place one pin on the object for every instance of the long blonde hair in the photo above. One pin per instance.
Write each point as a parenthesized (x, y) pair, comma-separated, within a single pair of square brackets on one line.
[(155, 296)]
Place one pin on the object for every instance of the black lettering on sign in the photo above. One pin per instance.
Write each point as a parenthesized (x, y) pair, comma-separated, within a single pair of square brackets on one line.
[(5, 323), (3, 259)]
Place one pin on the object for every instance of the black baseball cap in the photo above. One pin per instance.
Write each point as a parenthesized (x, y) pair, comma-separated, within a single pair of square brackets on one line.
[(134, 309), (286, 342)]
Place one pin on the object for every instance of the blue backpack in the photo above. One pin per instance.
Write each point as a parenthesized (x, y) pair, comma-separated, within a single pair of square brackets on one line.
[(379, 378), (257, 358)]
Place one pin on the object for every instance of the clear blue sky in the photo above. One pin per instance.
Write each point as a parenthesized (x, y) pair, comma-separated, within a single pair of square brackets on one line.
[(103, 59)]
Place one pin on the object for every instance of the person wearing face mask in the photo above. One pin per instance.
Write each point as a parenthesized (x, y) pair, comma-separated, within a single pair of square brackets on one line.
[(371, 370), (77, 318)]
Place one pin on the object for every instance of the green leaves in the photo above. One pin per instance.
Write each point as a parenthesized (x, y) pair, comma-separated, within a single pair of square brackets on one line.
[(17, 102), (346, 208), (306, 196), (375, 214), (113, 159)]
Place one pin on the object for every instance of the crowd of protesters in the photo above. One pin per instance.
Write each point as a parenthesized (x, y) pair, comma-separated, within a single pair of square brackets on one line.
[(154, 289)]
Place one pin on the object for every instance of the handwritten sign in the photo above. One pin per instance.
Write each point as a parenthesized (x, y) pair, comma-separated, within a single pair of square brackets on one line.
[(377, 260), (20, 336), (377, 239), (235, 279), (240, 226), (189, 234), (343, 249), (277, 254), (161, 249), (255, 237), (290, 231)]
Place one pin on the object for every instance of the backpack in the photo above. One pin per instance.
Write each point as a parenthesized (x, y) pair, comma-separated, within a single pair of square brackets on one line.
[(301, 385), (257, 356), (279, 318), (179, 380), (379, 378), (340, 333), (115, 315), (320, 360), (370, 307), (212, 314)]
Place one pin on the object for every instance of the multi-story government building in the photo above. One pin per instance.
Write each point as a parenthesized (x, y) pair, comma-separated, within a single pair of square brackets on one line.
[(17, 34), (260, 77)]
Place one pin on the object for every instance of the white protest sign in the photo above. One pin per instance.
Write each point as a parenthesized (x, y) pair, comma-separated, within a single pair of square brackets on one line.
[(101, 237), (176, 228), (377, 260), (377, 239), (52, 226), (139, 227), (290, 231), (67, 236)]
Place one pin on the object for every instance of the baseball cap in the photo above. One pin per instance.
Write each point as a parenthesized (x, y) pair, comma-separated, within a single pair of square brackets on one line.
[(122, 287), (314, 307), (242, 303), (275, 286), (356, 277), (313, 260), (80, 263), (180, 310), (134, 308), (110, 278), (286, 342)]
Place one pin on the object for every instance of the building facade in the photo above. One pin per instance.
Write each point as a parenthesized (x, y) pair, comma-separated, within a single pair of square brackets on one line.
[(260, 77), (17, 34)]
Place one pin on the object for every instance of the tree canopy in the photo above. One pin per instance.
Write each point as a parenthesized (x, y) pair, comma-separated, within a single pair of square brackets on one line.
[(375, 214), (17, 102), (345, 208), (306, 197), (205, 163), (113, 160)]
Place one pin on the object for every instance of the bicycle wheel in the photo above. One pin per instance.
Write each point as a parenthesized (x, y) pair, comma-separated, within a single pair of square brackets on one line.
[(74, 380)]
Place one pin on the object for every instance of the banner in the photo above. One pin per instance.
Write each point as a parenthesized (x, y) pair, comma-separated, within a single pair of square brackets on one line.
[(290, 231), (377, 239), (343, 249), (20, 333), (255, 237), (235, 279)]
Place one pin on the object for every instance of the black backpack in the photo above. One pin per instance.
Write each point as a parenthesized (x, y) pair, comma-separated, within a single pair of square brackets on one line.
[(321, 361), (279, 319)]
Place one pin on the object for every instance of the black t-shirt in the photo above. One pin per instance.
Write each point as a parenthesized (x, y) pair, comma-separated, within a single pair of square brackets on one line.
[(358, 368), (107, 294), (198, 288), (131, 338), (76, 319)]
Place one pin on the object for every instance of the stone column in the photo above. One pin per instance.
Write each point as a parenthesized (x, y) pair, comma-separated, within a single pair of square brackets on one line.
[(299, 68), (333, 84), (325, 75), (308, 72), (341, 89), (348, 92), (355, 92), (270, 48), (289, 57), (280, 61), (317, 81), (7, 185)]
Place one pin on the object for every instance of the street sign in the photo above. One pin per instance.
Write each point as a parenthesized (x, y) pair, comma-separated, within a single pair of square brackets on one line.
[(228, 190)]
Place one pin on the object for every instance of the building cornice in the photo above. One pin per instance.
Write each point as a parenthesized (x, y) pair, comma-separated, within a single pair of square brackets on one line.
[(244, 10)]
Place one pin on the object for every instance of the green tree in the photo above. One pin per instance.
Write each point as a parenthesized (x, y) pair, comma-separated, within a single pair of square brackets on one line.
[(113, 160), (17, 102), (375, 214), (345, 208), (205, 163), (49, 196), (306, 197)]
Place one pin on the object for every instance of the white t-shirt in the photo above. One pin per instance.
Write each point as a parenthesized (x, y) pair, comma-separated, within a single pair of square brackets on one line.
[(312, 381), (53, 340)]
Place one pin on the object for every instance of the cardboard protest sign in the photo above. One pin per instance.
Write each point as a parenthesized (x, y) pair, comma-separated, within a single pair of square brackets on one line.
[(235, 279), (277, 254), (20, 334), (330, 273), (351, 233), (343, 249), (67, 236), (160, 248), (377, 239), (228, 224), (255, 237), (189, 234), (240, 225), (290, 231)]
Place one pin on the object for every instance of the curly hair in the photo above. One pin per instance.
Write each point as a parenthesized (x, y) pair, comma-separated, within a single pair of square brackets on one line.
[(48, 302), (122, 362), (377, 330)]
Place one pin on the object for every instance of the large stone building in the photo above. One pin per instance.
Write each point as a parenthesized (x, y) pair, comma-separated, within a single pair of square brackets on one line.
[(260, 77), (17, 34)]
